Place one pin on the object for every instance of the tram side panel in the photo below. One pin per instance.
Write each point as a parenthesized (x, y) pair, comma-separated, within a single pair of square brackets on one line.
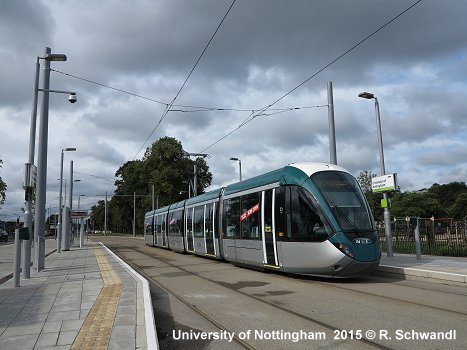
[(242, 229)]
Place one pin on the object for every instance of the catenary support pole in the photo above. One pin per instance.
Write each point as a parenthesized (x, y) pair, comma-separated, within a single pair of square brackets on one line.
[(28, 191), (332, 130)]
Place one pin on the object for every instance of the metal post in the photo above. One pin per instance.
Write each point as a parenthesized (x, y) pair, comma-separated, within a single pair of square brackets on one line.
[(134, 214), (105, 213), (195, 181), (81, 233), (240, 168), (387, 215), (59, 233), (65, 229), (39, 231), (28, 193), (418, 248), (70, 199), (70, 204), (332, 130), (152, 192), (380, 137), (16, 270)]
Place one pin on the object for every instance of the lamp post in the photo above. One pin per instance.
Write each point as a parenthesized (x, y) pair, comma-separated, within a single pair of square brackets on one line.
[(387, 215), (39, 232), (239, 166), (59, 233)]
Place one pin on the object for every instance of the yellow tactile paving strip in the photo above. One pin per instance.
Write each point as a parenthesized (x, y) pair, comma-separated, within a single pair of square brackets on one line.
[(96, 329)]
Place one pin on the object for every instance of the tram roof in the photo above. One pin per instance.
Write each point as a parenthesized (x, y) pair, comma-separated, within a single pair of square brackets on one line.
[(292, 174), (177, 205), (204, 197), (161, 210)]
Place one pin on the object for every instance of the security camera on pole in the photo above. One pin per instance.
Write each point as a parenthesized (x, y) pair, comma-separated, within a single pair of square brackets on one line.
[(39, 230)]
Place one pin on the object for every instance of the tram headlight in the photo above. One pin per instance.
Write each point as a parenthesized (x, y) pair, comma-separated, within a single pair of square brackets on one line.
[(344, 248)]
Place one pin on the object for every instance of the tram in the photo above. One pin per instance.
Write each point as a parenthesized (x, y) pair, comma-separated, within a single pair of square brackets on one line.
[(305, 218)]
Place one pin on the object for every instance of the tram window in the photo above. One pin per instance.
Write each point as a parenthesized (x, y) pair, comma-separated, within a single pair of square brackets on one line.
[(189, 222), (172, 224), (175, 221), (280, 213), (343, 194), (162, 224), (306, 223), (208, 220), (232, 217), (267, 212), (158, 224), (250, 217), (148, 227), (198, 221)]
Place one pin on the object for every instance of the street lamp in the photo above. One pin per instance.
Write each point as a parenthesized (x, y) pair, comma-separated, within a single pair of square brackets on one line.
[(387, 216), (59, 233), (42, 152), (239, 166)]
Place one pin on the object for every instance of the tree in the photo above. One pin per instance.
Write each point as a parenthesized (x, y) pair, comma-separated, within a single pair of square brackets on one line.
[(374, 199), (421, 204), (2, 187), (458, 209), (448, 195), (97, 215), (170, 168), (166, 165)]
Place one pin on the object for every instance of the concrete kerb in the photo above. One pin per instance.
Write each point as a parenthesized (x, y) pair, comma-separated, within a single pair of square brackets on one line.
[(421, 274), (151, 337)]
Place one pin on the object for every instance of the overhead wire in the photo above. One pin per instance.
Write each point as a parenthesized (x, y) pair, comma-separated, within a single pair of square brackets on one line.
[(261, 112), (109, 87), (186, 80)]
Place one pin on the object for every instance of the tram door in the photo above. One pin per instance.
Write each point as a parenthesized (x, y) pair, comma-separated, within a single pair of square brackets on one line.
[(189, 229), (208, 228), (269, 231)]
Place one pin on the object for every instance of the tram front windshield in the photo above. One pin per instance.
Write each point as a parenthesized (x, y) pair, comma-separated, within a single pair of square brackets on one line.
[(345, 198)]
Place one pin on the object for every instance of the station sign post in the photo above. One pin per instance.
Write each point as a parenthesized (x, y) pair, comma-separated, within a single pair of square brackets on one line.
[(384, 183)]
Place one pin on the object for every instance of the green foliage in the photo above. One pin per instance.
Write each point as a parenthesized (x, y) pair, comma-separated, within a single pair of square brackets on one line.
[(97, 216), (167, 166), (374, 199), (2, 187), (449, 200), (421, 204)]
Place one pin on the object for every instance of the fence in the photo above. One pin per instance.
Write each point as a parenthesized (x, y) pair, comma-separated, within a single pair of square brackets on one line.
[(437, 236)]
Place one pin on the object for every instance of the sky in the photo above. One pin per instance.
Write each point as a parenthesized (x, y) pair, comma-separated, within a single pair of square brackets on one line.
[(128, 60)]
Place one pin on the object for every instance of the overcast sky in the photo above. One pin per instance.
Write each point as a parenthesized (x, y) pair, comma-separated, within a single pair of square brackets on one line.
[(416, 66)]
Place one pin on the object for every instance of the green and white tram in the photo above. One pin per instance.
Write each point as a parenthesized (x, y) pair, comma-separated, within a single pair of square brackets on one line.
[(305, 218)]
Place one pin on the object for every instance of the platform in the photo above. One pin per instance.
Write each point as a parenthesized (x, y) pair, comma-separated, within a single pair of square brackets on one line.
[(85, 298), (439, 269)]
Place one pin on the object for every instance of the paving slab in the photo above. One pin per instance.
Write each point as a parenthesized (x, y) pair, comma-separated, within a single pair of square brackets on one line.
[(84, 298)]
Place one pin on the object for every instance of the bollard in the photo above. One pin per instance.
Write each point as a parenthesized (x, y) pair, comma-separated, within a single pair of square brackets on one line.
[(418, 248), (17, 261)]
